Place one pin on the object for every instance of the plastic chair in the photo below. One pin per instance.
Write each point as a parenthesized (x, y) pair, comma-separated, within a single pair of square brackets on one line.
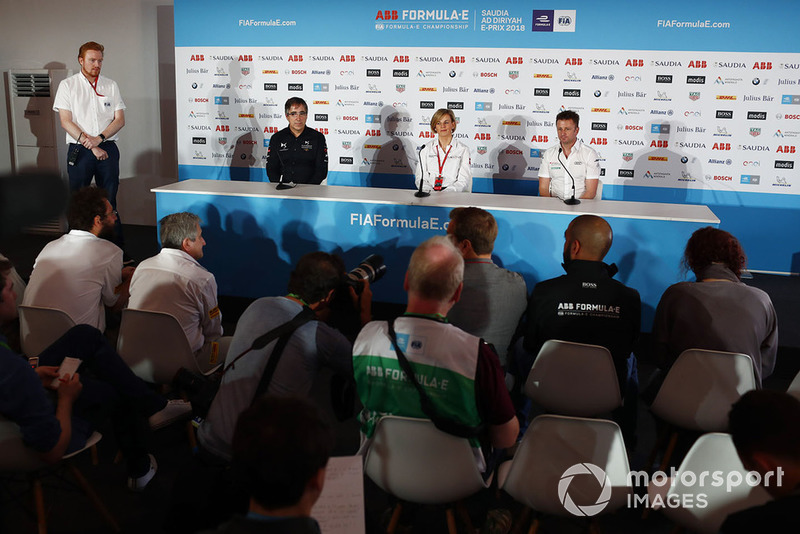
[(154, 346), (794, 387), (414, 461), (562, 461), (698, 392), (574, 379), (16, 458), (711, 453), (40, 327)]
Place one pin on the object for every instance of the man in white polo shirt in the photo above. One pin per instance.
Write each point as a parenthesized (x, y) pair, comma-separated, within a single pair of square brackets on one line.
[(174, 282), (92, 112), (81, 272), (569, 162)]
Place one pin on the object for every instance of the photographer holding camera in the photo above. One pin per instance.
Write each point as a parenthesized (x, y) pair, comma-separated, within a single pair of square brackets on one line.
[(312, 287)]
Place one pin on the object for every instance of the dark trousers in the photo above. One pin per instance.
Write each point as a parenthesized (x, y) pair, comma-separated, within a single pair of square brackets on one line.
[(105, 174), (110, 392)]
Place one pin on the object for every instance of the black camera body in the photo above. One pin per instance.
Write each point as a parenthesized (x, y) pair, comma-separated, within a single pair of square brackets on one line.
[(371, 269)]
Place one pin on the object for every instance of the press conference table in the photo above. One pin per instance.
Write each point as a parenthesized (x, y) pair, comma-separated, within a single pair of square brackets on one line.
[(255, 233)]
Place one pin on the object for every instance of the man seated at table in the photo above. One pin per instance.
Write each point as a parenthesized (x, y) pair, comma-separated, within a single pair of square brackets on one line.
[(569, 169), (297, 154), (459, 372), (493, 298), (174, 282), (81, 272)]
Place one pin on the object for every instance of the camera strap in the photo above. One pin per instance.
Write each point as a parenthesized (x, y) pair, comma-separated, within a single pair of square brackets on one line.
[(444, 424), (282, 333)]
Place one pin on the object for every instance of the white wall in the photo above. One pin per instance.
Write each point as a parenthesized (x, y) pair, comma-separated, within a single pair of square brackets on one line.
[(139, 55)]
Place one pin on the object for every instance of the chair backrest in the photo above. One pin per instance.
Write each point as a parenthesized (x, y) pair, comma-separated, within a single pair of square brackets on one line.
[(569, 466), (712, 453), (599, 194), (39, 327), (414, 461), (794, 387), (700, 388), (154, 345), (574, 379), (15, 457)]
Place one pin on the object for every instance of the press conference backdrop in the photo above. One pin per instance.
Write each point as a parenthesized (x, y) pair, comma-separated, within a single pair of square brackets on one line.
[(685, 102)]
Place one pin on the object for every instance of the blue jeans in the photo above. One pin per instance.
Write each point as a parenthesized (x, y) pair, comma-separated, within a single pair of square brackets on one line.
[(105, 174)]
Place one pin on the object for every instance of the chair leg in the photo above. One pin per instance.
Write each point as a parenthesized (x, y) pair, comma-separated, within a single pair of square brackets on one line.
[(98, 504), (38, 500), (534, 526), (673, 441), (464, 515), (395, 519), (451, 521), (191, 435)]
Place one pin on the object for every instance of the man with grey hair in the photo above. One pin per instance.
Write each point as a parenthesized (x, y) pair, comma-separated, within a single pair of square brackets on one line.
[(174, 282), (459, 373)]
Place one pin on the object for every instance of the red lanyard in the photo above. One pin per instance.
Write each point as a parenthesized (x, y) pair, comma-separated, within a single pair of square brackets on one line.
[(94, 85), (438, 184)]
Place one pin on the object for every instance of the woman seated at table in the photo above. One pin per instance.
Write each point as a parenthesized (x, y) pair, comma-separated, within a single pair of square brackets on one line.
[(444, 164)]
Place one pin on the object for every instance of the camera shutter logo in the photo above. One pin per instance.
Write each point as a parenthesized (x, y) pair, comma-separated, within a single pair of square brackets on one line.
[(602, 499)]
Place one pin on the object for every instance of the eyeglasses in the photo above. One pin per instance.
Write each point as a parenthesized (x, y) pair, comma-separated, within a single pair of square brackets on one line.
[(112, 213), (296, 113)]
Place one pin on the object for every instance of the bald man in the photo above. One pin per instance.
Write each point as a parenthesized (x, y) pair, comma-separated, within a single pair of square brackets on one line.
[(586, 305)]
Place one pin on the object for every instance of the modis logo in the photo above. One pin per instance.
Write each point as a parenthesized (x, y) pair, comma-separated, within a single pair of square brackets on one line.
[(197, 57), (697, 64), (296, 58), (634, 63), (457, 59), (246, 57), (347, 58), (386, 15), (763, 65)]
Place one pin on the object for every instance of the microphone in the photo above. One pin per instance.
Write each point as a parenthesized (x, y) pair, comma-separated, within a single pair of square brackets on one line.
[(282, 185), (569, 201), (420, 193)]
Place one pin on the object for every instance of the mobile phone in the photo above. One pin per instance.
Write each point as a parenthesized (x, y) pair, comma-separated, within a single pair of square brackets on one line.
[(68, 367)]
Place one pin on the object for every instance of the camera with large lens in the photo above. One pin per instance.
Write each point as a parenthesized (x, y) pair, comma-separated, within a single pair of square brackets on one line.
[(371, 269)]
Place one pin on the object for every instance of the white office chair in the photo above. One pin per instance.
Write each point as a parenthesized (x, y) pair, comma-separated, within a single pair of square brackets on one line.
[(698, 392), (562, 461), (40, 327), (711, 453), (574, 379), (414, 461), (155, 347), (16, 458), (794, 387)]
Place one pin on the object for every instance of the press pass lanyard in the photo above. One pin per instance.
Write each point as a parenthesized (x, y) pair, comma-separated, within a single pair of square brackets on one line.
[(94, 85), (437, 186)]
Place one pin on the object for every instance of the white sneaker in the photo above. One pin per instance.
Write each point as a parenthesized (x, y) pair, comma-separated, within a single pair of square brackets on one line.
[(175, 409), (138, 484)]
